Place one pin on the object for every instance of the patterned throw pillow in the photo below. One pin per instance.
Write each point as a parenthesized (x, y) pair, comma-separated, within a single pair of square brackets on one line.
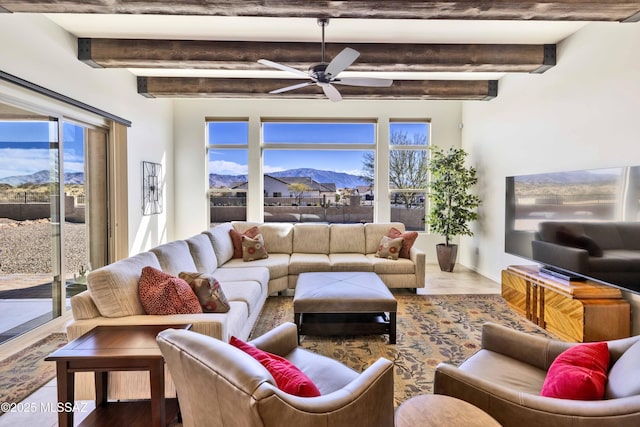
[(389, 248), (253, 249), (162, 293), (208, 290), (236, 239), (409, 239)]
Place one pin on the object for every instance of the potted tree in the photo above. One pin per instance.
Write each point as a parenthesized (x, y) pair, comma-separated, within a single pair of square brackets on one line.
[(452, 204)]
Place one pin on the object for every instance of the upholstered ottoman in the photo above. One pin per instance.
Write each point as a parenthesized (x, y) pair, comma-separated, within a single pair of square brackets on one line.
[(344, 303)]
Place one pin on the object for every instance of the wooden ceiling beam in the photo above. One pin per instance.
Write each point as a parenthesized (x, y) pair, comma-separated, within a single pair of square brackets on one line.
[(574, 10), (236, 55), (187, 87)]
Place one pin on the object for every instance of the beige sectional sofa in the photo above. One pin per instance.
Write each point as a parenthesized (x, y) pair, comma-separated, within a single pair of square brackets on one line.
[(112, 294)]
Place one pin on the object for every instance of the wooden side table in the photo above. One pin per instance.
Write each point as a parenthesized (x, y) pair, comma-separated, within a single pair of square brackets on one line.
[(436, 410), (115, 348)]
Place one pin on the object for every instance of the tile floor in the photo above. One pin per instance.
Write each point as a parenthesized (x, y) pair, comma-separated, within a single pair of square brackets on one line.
[(460, 281)]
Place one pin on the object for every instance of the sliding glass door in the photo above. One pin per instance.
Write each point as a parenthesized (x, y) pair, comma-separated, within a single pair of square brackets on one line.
[(51, 230)]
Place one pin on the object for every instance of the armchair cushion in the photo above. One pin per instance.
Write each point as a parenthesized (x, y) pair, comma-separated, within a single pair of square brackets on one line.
[(288, 377), (579, 373), (624, 374)]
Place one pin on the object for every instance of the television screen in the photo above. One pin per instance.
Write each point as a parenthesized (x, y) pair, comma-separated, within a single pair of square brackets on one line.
[(578, 224)]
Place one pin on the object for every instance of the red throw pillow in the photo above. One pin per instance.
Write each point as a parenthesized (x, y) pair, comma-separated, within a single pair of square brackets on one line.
[(579, 373), (162, 293), (409, 238), (288, 377), (236, 239)]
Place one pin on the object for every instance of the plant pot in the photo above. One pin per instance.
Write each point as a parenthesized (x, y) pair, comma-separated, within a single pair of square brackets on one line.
[(447, 256)]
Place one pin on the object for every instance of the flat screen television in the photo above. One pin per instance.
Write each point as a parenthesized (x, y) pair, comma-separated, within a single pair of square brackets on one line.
[(578, 224)]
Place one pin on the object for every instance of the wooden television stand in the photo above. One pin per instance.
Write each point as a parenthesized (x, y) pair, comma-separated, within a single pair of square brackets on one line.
[(578, 311)]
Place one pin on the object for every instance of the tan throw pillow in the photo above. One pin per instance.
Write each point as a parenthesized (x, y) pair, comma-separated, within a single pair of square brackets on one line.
[(389, 248), (253, 249), (409, 239), (236, 239), (208, 290)]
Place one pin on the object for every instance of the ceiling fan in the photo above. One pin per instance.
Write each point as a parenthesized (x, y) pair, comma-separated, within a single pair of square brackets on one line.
[(326, 74)]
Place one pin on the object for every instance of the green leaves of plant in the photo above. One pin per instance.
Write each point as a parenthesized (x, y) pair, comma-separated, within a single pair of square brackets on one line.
[(452, 204)]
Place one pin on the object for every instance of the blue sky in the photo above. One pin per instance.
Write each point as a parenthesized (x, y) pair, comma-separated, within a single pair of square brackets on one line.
[(24, 147), (234, 162)]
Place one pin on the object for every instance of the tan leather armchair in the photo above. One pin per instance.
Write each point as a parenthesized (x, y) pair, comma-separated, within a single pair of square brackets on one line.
[(219, 385), (505, 377)]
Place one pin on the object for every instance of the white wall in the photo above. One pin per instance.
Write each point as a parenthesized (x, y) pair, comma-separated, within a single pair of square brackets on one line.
[(582, 113), (190, 156), (35, 49)]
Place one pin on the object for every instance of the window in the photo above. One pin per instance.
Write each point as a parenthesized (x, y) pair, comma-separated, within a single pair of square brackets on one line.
[(228, 143), (319, 166), (408, 174)]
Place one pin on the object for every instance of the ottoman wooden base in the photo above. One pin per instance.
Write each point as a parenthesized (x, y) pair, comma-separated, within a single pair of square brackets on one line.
[(344, 303)]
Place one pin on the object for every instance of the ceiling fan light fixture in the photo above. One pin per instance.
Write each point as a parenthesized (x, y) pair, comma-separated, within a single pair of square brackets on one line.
[(324, 74)]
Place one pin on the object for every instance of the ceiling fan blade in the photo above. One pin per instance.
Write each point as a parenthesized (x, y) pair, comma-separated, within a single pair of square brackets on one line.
[(292, 87), (283, 67), (363, 81), (341, 61), (331, 92)]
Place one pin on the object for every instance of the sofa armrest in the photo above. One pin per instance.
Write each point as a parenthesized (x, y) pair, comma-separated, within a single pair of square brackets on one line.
[(281, 340), (534, 350), (83, 307), (574, 259), (455, 382), (367, 399), (419, 259)]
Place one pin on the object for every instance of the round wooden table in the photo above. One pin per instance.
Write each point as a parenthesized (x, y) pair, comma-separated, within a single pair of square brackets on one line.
[(438, 410)]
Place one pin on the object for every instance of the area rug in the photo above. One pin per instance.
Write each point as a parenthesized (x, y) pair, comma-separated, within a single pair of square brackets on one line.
[(25, 371), (430, 330)]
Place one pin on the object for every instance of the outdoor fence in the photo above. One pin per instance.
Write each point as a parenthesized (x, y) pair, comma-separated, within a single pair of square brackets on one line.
[(21, 206)]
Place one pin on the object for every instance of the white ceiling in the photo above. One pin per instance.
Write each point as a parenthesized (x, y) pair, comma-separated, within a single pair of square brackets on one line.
[(307, 30)]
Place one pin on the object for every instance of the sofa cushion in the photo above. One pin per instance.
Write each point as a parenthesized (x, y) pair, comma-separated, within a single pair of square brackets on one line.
[(624, 374), (388, 266), (409, 238), (175, 257), (389, 248), (288, 377), (302, 263), (202, 253), (278, 237), (579, 373), (236, 239), (114, 288), (311, 239), (162, 293), (277, 265), (221, 242), (208, 290), (346, 238), (253, 249), (350, 262), (373, 234), (247, 291)]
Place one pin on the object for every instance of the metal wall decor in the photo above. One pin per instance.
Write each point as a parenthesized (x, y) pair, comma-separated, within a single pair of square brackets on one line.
[(151, 188)]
